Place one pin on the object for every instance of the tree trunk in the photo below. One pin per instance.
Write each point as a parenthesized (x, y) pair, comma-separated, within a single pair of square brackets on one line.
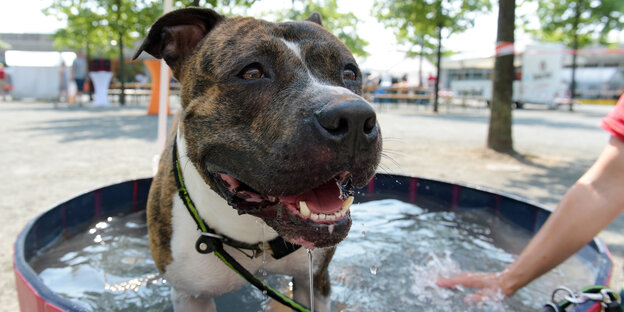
[(499, 133), (422, 54), (577, 15), (436, 89), (122, 94)]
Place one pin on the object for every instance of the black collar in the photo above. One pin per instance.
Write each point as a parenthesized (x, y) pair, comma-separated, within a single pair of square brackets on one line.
[(210, 240)]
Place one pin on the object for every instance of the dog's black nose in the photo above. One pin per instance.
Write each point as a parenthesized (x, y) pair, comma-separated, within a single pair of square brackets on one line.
[(351, 121)]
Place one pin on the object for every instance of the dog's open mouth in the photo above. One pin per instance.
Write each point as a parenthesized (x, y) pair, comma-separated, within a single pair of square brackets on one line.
[(318, 217)]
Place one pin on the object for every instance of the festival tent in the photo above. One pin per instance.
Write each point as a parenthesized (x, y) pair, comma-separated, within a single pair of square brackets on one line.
[(36, 74)]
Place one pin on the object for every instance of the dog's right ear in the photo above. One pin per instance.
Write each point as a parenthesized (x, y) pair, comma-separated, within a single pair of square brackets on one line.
[(177, 33), (315, 18)]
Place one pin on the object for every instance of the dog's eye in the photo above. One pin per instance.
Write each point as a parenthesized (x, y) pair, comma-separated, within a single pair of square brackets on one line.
[(349, 74), (252, 72)]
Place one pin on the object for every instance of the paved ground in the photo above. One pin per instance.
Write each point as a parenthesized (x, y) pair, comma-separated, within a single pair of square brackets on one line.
[(52, 154)]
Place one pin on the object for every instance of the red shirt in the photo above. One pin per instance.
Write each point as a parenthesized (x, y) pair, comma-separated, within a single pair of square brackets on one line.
[(614, 121), (1, 73)]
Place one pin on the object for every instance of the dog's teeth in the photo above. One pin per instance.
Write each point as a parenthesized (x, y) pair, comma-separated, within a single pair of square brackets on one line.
[(314, 217), (347, 203), (337, 215), (322, 216), (303, 207)]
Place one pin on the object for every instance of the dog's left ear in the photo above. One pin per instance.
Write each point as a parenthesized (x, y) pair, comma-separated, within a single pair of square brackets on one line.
[(315, 18), (177, 33)]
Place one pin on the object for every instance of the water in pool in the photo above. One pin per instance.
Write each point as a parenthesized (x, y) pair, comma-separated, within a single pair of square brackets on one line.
[(389, 262)]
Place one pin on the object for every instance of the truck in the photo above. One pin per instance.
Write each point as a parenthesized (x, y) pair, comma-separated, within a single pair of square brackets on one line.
[(539, 80)]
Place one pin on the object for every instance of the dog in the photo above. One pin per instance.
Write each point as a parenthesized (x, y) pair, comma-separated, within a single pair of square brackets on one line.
[(271, 139)]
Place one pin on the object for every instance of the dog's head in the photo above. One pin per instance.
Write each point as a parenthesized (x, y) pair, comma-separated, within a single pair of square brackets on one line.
[(272, 117)]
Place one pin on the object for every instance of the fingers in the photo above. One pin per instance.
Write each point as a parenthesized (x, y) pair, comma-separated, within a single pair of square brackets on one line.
[(484, 295), (473, 280), (487, 283)]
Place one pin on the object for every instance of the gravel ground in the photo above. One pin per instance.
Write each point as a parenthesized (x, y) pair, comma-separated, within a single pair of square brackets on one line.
[(54, 154)]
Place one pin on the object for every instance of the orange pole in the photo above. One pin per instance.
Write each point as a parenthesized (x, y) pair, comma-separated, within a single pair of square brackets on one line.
[(154, 69)]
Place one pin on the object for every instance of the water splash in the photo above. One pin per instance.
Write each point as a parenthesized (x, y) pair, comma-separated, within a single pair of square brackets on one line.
[(374, 269), (265, 298), (424, 278)]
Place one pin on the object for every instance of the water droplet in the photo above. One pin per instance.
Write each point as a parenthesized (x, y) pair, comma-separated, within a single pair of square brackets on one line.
[(109, 219), (373, 269), (98, 239), (311, 277)]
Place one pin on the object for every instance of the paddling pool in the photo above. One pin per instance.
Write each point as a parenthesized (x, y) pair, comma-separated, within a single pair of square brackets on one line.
[(69, 218)]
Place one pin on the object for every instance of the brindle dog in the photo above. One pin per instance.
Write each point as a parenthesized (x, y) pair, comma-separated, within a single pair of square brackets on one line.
[(272, 130)]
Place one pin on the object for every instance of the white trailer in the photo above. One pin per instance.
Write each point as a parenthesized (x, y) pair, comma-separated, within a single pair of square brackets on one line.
[(541, 80), (542, 77)]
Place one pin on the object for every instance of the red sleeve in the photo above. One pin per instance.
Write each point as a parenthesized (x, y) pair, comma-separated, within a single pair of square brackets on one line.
[(614, 121)]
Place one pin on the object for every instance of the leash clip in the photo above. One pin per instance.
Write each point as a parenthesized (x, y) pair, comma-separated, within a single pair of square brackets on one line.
[(207, 242)]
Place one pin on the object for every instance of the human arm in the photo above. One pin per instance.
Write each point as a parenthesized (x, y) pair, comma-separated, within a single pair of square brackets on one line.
[(595, 200)]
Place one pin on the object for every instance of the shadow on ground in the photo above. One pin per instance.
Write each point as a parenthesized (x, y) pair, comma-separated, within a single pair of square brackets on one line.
[(553, 178), (100, 126)]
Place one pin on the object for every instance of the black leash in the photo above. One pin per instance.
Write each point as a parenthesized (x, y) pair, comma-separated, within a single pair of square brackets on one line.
[(211, 242)]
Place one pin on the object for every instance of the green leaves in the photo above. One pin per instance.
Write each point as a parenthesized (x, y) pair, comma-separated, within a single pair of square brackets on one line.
[(596, 20), (416, 22), (417, 18), (95, 25), (4, 45)]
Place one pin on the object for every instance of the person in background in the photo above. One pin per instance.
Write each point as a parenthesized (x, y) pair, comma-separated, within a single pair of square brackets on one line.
[(401, 84), (3, 76), (63, 93), (79, 74), (597, 196)]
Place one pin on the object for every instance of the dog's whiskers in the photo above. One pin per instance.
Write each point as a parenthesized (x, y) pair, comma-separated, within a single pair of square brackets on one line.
[(388, 157), (392, 152), (392, 139)]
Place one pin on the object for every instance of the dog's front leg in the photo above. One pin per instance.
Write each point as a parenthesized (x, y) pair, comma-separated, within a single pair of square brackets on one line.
[(183, 302)]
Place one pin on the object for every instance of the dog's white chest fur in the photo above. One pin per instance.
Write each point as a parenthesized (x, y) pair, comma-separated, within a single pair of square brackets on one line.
[(205, 274)]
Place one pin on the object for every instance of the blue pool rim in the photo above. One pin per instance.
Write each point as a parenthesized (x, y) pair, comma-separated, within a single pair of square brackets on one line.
[(131, 196)]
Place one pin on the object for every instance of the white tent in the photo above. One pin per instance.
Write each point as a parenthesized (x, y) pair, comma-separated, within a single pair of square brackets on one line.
[(35, 74)]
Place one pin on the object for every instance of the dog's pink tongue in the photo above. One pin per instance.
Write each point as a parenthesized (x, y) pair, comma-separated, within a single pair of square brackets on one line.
[(323, 199)]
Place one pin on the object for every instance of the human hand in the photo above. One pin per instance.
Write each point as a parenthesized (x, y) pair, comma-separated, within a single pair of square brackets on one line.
[(491, 285)]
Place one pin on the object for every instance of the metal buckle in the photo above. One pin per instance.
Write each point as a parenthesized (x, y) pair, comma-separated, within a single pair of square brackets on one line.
[(206, 242)]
